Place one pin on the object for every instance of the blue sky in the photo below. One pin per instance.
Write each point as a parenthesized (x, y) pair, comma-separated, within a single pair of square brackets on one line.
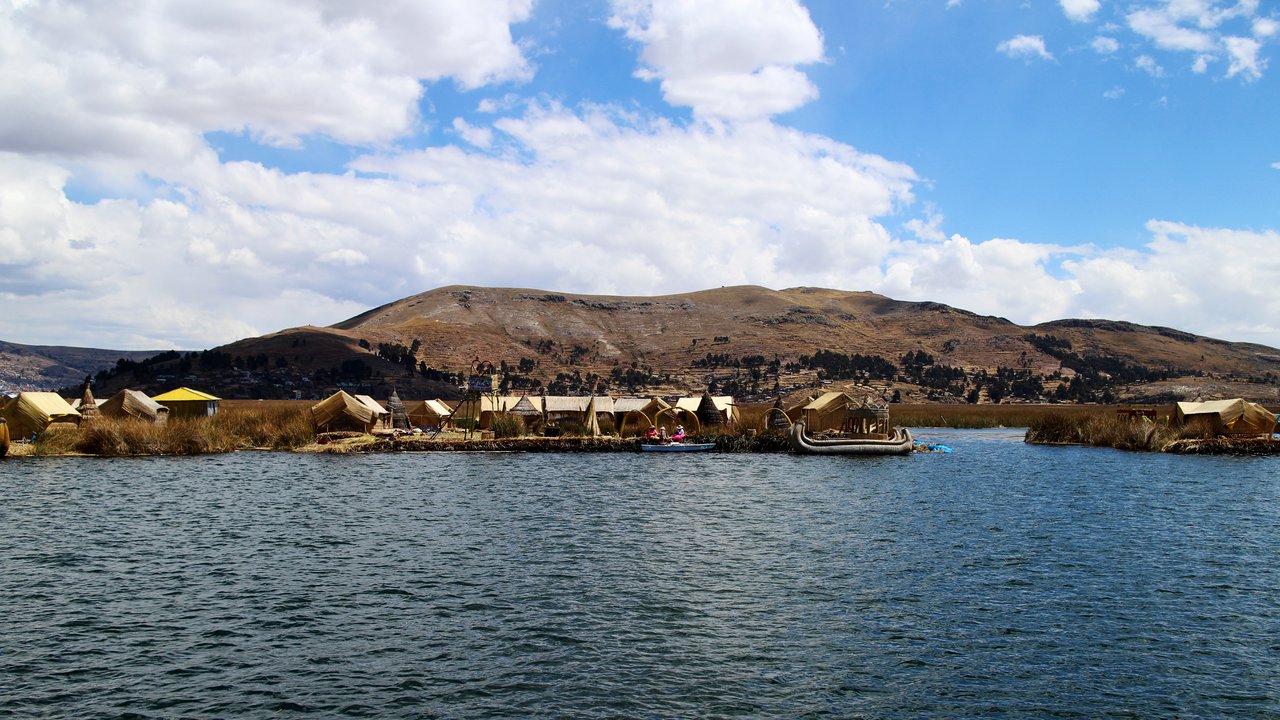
[(174, 174)]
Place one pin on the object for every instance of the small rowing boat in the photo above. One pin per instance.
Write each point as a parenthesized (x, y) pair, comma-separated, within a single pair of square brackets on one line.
[(678, 447)]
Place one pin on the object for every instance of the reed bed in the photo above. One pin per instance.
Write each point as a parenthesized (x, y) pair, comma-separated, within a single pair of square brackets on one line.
[(268, 428), (1100, 429)]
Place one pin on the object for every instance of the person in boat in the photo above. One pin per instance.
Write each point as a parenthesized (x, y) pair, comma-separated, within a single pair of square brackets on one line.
[(679, 434), (662, 436), (651, 433)]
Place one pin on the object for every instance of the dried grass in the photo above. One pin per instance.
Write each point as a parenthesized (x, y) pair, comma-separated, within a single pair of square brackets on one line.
[(274, 428)]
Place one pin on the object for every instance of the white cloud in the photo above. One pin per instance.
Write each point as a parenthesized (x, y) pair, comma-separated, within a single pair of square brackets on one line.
[(1148, 64), (1080, 10), (1161, 26), (732, 59), (144, 81), (593, 201), (1199, 27), (1168, 285), (1114, 93), (1104, 45), (1275, 165), (478, 136), (998, 277), (1028, 47), (188, 251), (1244, 60)]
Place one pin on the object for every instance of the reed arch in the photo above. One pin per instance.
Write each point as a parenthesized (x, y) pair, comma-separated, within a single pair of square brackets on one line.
[(622, 426), (674, 413), (764, 419)]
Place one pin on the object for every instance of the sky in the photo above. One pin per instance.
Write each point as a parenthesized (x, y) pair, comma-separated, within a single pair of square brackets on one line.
[(182, 174)]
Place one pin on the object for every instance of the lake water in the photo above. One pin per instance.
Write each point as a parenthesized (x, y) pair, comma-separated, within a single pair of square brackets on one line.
[(1002, 580)]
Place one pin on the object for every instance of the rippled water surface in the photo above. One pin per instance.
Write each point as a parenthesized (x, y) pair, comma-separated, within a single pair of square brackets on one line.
[(1001, 580)]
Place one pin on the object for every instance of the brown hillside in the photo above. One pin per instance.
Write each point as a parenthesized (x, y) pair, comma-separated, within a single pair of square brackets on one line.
[(457, 324), (688, 342)]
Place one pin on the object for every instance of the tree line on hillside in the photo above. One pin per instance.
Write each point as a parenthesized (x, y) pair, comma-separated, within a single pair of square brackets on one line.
[(1082, 376)]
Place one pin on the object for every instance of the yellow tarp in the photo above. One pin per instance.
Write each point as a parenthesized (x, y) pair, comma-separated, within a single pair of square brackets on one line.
[(183, 394)]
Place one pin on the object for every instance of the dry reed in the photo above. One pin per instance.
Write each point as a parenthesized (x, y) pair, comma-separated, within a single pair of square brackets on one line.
[(274, 428)]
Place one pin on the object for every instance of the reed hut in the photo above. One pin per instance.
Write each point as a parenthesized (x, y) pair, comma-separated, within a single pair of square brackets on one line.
[(827, 411), (721, 409), (341, 411), (530, 415), (776, 417), (867, 420), (185, 402), (646, 408), (135, 404), (87, 407), (381, 415), (31, 413), (428, 413), (396, 409), (1237, 417)]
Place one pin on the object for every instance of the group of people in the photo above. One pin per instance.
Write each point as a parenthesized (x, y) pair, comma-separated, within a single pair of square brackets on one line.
[(660, 434)]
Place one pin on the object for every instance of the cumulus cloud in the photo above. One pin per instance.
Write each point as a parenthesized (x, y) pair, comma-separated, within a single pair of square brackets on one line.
[(147, 81), (188, 250), (1148, 64), (1167, 284), (1243, 55), (1104, 45), (1080, 10), (1200, 27), (1028, 47), (729, 59)]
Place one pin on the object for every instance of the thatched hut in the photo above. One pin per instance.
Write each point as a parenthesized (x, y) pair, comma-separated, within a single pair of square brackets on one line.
[(399, 417), (87, 407), (135, 404), (341, 411), (627, 409), (720, 409), (30, 413), (428, 413), (827, 411), (380, 414), (1237, 417), (185, 402)]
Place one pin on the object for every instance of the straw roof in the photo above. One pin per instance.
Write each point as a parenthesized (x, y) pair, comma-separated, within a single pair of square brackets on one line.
[(399, 417), (646, 405), (1232, 417), (525, 408), (87, 407), (377, 409), (31, 412), (133, 403), (341, 411)]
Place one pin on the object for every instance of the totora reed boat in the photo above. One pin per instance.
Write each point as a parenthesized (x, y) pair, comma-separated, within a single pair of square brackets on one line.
[(897, 443)]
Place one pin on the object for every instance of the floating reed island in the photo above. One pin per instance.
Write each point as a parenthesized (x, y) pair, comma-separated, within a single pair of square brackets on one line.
[(291, 426), (1222, 427)]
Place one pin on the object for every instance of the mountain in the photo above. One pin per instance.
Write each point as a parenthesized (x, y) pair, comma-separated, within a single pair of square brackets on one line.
[(46, 367), (747, 341)]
